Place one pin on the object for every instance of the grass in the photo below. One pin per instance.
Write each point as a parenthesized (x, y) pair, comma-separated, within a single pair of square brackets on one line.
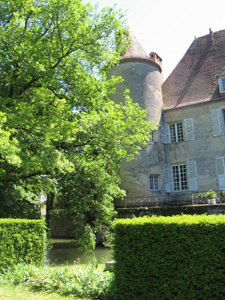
[(66, 282), (11, 292)]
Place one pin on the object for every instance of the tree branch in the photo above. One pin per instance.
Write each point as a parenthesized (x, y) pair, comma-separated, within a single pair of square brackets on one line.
[(28, 85), (56, 94), (27, 19)]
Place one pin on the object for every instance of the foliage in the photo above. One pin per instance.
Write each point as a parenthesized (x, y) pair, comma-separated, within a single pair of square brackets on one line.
[(211, 194), (19, 201), (89, 282), (202, 196), (21, 240), (178, 257), (61, 133), (222, 195)]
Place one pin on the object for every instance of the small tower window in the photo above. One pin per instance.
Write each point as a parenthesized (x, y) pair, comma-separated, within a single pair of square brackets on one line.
[(152, 138)]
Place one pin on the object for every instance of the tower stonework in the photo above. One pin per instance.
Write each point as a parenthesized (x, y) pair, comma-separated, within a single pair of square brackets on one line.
[(142, 75)]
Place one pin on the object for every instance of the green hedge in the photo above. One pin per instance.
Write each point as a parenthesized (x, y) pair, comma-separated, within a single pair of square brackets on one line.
[(179, 257), (22, 240)]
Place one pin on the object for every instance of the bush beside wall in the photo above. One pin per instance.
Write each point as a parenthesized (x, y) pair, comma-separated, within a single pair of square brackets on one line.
[(179, 257), (22, 240)]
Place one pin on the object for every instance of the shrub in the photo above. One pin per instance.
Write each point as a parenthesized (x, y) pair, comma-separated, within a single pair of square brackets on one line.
[(68, 280), (222, 195), (211, 194), (202, 196), (179, 257), (21, 240)]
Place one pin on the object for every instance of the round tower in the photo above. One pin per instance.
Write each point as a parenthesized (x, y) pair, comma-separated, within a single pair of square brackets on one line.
[(142, 75)]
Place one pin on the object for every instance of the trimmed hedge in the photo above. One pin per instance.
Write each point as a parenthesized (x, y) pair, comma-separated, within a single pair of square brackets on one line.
[(178, 257), (22, 240)]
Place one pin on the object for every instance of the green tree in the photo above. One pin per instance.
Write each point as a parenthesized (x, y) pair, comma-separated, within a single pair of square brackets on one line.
[(60, 133)]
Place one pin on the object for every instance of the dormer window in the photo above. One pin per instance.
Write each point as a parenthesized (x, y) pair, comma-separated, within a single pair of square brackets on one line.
[(222, 84), (221, 80)]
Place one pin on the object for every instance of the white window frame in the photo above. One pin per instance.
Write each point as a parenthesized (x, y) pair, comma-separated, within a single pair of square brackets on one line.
[(222, 84), (178, 175), (154, 182), (188, 131), (175, 135)]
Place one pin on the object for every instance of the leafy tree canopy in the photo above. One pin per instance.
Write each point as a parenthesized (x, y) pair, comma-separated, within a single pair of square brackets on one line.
[(60, 132)]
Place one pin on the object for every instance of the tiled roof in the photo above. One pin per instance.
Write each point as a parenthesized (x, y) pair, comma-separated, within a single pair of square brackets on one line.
[(223, 72), (194, 80), (135, 50)]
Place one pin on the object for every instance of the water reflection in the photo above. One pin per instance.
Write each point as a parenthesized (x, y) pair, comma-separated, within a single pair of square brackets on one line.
[(63, 252)]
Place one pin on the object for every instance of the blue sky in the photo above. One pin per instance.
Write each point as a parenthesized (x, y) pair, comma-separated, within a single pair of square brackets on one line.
[(168, 27)]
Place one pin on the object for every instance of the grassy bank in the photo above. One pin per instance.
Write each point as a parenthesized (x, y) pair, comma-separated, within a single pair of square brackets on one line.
[(77, 281), (11, 292)]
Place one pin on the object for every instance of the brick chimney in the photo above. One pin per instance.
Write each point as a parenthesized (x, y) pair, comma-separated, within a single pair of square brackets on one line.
[(157, 59), (211, 37)]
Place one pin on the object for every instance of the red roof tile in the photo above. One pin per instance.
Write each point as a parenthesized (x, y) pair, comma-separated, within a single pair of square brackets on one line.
[(194, 80), (135, 50)]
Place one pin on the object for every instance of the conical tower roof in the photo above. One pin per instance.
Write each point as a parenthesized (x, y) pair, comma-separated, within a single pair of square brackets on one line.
[(135, 50)]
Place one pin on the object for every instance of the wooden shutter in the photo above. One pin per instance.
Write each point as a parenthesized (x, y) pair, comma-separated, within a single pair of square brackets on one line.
[(165, 133), (189, 129), (215, 122), (220, 172), (167, 177), (192, 175)]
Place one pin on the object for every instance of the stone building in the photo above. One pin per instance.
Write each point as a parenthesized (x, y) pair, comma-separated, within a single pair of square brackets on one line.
[(186, 154)]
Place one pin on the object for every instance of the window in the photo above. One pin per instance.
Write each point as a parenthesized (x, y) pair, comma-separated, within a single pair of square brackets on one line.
[(152, 137), (176, 133), (181, 177), (154, 182), (179, 173), (222, 84)]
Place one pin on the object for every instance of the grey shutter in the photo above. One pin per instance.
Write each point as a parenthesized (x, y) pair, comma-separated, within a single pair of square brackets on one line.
[(192, 175), (189, 129), (167, 177), (220, 172), (164, 133), (215, 122)]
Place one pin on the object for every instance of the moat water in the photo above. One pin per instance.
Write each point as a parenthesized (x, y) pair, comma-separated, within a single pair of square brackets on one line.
[(63, 252)]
